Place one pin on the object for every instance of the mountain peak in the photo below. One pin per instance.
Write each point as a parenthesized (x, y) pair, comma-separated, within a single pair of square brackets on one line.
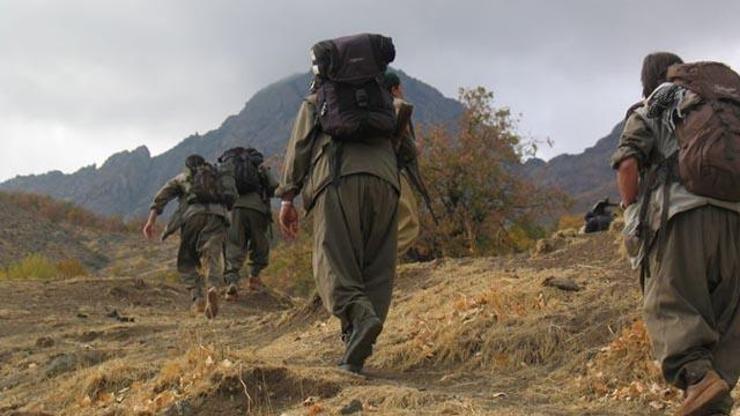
[(126, 182)]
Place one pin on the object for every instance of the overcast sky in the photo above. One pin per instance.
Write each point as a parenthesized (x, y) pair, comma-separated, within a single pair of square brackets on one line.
[(80, 80)]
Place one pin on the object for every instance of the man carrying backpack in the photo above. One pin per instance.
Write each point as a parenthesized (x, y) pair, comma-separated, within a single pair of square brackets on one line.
[(205, 194), (678, 164), (408, 208), (599, 218), (341, 158), (250, 218)]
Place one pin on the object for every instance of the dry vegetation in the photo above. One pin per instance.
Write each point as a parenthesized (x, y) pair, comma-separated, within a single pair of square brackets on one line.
[(37, 266), (469, 336), (483, 205), (524, 326), (65, 212)]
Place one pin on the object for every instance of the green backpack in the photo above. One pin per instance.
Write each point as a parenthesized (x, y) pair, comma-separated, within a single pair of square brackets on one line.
[(206, 186)]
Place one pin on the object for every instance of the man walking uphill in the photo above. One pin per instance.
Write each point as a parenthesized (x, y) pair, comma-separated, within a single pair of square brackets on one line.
[(678, 166), (250, 218), (205, 193), (408, 208), (341, 157)]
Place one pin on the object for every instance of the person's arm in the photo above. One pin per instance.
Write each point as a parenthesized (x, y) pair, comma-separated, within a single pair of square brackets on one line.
[(271, 183), (628, 181), (171, 190), (635, 145), (296, 168), (297, 163)]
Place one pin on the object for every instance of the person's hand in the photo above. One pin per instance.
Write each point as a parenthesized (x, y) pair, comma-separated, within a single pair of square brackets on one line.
[(148, 229), (288, 220)]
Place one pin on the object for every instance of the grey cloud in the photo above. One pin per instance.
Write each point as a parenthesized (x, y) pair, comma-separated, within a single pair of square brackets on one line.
[(102, 76)]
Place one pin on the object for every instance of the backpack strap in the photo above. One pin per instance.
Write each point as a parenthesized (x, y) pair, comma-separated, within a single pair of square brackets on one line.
[(634, 108), (665, 174)]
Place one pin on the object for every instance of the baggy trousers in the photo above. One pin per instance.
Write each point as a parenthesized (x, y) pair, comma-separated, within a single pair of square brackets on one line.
[(408, 216), (692, 295), (354, 256), (248, 234), (202, 239)]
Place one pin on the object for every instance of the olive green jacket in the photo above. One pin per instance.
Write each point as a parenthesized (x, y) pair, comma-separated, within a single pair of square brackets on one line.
[(260, 201), (308, 161), (178, 188), (649, 141)]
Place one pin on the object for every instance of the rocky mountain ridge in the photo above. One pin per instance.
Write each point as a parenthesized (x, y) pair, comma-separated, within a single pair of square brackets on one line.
[(126, 182)]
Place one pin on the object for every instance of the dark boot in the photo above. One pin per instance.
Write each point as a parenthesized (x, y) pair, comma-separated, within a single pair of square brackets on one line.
[(704, 396), (255, 284), (365, 330), (232, 293)]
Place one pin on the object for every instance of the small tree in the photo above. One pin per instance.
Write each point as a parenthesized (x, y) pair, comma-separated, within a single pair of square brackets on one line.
[(474, 176)]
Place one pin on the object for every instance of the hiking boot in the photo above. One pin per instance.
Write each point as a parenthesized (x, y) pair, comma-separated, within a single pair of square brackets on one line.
[(360, 344), (211, 309), (351, 368), (703, 396), (232, 293), (720, 407), (255, 284), (198, 306)]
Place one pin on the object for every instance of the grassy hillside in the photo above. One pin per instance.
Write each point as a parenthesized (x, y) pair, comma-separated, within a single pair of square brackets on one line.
[(57, 231), (486, 336)]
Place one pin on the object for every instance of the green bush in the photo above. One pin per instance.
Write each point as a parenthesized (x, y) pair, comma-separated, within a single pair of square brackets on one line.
[(33, 266)]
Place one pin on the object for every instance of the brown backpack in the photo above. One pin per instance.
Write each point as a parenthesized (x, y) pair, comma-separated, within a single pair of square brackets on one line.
[(709, 134)]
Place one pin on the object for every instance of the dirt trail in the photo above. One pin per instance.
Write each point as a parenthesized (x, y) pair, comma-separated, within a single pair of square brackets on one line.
[(465, 337)]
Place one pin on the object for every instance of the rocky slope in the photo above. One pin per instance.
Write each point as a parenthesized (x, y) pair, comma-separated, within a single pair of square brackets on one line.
[(586, 177), (23, 232)]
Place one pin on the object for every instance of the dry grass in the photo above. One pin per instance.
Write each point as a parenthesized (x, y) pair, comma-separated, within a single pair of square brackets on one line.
[(464, 337), (503, 323), (39, 267), (101, 386), (66, 212), (624, 371), (401, 400), (70, 268), (570, 222), (290, 269)]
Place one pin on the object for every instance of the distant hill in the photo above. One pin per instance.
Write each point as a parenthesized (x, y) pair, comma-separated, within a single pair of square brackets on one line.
[(586, 177), (25, 230), (126, 182)]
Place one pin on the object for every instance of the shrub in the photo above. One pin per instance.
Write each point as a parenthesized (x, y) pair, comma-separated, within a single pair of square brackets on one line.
[(65, 212), (34, 266), (71, 268), (485, 205)]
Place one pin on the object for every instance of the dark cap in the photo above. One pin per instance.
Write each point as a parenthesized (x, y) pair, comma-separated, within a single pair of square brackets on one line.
[(391, 80), (193, 161)]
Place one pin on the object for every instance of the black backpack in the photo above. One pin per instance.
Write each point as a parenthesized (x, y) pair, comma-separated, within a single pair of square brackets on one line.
[(206, 186), (352, 101), (245, 163)]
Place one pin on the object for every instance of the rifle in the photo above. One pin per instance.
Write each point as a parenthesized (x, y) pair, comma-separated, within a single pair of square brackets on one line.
[(405, 145)]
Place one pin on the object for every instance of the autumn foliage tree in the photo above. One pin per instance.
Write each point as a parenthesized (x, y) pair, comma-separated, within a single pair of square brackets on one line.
[(484, 204)]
